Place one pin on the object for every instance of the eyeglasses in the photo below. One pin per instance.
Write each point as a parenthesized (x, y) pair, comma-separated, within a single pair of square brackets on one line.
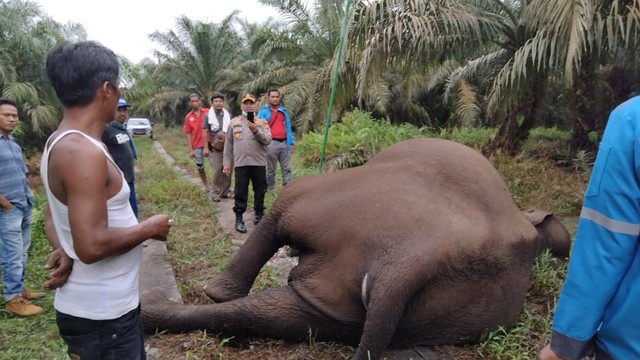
[(9, 115)]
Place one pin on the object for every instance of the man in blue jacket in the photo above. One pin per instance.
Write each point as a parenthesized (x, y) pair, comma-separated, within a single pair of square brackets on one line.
[(281, 146), (597, 311)]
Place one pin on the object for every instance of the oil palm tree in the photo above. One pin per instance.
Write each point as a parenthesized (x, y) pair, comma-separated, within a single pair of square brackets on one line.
[(510, 51), (28, 34), (297, 56), (195, 58)]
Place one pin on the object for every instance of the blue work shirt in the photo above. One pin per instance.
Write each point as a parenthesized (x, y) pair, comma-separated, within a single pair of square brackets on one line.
[(13, 174), (598, 306)]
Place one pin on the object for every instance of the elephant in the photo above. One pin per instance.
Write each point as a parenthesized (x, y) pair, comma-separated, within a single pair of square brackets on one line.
[(422, 245)]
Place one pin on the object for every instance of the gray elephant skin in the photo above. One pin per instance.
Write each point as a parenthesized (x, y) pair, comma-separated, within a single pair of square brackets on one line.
[(423, 245)]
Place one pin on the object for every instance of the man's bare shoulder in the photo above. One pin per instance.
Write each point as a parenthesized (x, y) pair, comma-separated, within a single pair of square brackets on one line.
[(74, 146)]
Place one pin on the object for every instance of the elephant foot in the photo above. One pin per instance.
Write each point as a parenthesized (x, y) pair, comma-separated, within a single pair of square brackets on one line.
[(221, 288)]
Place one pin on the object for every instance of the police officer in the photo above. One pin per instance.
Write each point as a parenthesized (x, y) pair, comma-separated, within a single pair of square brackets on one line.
[(245, 148)]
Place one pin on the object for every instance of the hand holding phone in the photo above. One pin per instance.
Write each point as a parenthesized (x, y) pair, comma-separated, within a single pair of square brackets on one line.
[(252, 126)]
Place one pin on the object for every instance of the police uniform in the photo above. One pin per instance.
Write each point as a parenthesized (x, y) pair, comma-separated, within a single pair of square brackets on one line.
[(247, 152)]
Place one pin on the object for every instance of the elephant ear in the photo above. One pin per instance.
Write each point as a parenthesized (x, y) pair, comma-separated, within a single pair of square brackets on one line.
[(552, 233), (537, 216)]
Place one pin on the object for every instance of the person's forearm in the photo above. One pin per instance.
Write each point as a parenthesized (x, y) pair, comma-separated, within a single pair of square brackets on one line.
[(112, 241), (91, 244), (50, 229), (58, 262), (263, 136)]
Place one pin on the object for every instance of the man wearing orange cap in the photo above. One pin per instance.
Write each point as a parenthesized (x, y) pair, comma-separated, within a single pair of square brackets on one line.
[(245, 148)]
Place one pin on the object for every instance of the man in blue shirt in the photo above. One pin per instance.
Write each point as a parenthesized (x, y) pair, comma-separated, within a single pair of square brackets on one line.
[(16, 204), (597, 311)]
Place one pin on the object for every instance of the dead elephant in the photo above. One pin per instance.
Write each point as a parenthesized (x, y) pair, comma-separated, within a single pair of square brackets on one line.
[(423, 245)]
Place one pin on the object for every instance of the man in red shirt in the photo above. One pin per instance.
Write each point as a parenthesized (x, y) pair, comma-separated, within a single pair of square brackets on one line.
[(193, 129), (281, 146)]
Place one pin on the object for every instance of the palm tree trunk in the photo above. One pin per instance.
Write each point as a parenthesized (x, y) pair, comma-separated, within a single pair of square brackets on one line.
[(517, 123), (591, 99)]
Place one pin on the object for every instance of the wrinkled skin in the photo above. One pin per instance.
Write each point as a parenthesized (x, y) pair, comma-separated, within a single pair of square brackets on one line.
[(423, 245)]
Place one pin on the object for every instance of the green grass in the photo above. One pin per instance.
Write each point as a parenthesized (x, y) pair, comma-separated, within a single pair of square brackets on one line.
[(524, 340), (195, 249)]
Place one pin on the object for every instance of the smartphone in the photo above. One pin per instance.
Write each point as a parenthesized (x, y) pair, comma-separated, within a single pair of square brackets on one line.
[(250, 116)]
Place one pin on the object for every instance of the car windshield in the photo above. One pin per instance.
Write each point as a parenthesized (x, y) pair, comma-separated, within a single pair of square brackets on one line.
[(138, 122)]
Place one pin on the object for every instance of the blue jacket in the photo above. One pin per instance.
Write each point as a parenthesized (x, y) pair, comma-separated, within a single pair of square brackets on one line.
[(265, 113), (601, 294)]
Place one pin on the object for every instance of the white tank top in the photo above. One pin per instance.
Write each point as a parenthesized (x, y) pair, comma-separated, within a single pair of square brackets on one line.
[(106, 289)]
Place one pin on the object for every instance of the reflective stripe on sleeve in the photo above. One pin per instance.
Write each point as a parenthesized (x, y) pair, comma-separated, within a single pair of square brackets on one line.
[(610, 224)]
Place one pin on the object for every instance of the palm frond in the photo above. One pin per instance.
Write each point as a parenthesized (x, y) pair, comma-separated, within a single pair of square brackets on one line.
[(467, 108), (566, 25)]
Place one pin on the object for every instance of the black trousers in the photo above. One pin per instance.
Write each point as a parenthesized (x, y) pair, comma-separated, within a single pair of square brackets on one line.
[(121, 338), (258, 177)]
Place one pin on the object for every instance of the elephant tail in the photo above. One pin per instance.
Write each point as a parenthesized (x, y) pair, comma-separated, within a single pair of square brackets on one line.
[(552, 234)]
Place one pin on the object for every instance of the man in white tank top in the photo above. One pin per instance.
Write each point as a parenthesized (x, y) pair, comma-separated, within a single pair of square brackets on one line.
[(90, 218)]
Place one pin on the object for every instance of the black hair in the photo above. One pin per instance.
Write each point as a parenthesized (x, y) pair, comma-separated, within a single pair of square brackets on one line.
[(7, 101), (272, 90), (216, 95), (77, 70)]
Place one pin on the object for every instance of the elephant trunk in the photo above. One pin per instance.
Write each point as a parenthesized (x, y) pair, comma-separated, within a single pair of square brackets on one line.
[(277, 313), (176, 318)]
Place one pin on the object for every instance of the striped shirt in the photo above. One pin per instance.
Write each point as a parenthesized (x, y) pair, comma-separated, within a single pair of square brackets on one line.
[(13, 174)]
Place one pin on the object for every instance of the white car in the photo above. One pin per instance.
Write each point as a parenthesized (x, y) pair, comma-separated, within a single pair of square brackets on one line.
[(140, 126)]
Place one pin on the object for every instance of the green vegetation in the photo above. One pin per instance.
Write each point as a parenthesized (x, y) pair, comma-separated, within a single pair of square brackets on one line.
[(524, 340), (353, 141)]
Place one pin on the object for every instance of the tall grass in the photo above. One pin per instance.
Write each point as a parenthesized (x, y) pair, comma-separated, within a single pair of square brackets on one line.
[(353, 141)]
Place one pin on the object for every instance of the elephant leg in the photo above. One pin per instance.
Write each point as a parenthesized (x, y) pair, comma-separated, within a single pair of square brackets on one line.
[(238, 276), (379, 327), (385, 297), (275, 313)]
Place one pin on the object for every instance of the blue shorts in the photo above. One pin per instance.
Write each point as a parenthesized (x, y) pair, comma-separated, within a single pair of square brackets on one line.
[(121, 338)]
